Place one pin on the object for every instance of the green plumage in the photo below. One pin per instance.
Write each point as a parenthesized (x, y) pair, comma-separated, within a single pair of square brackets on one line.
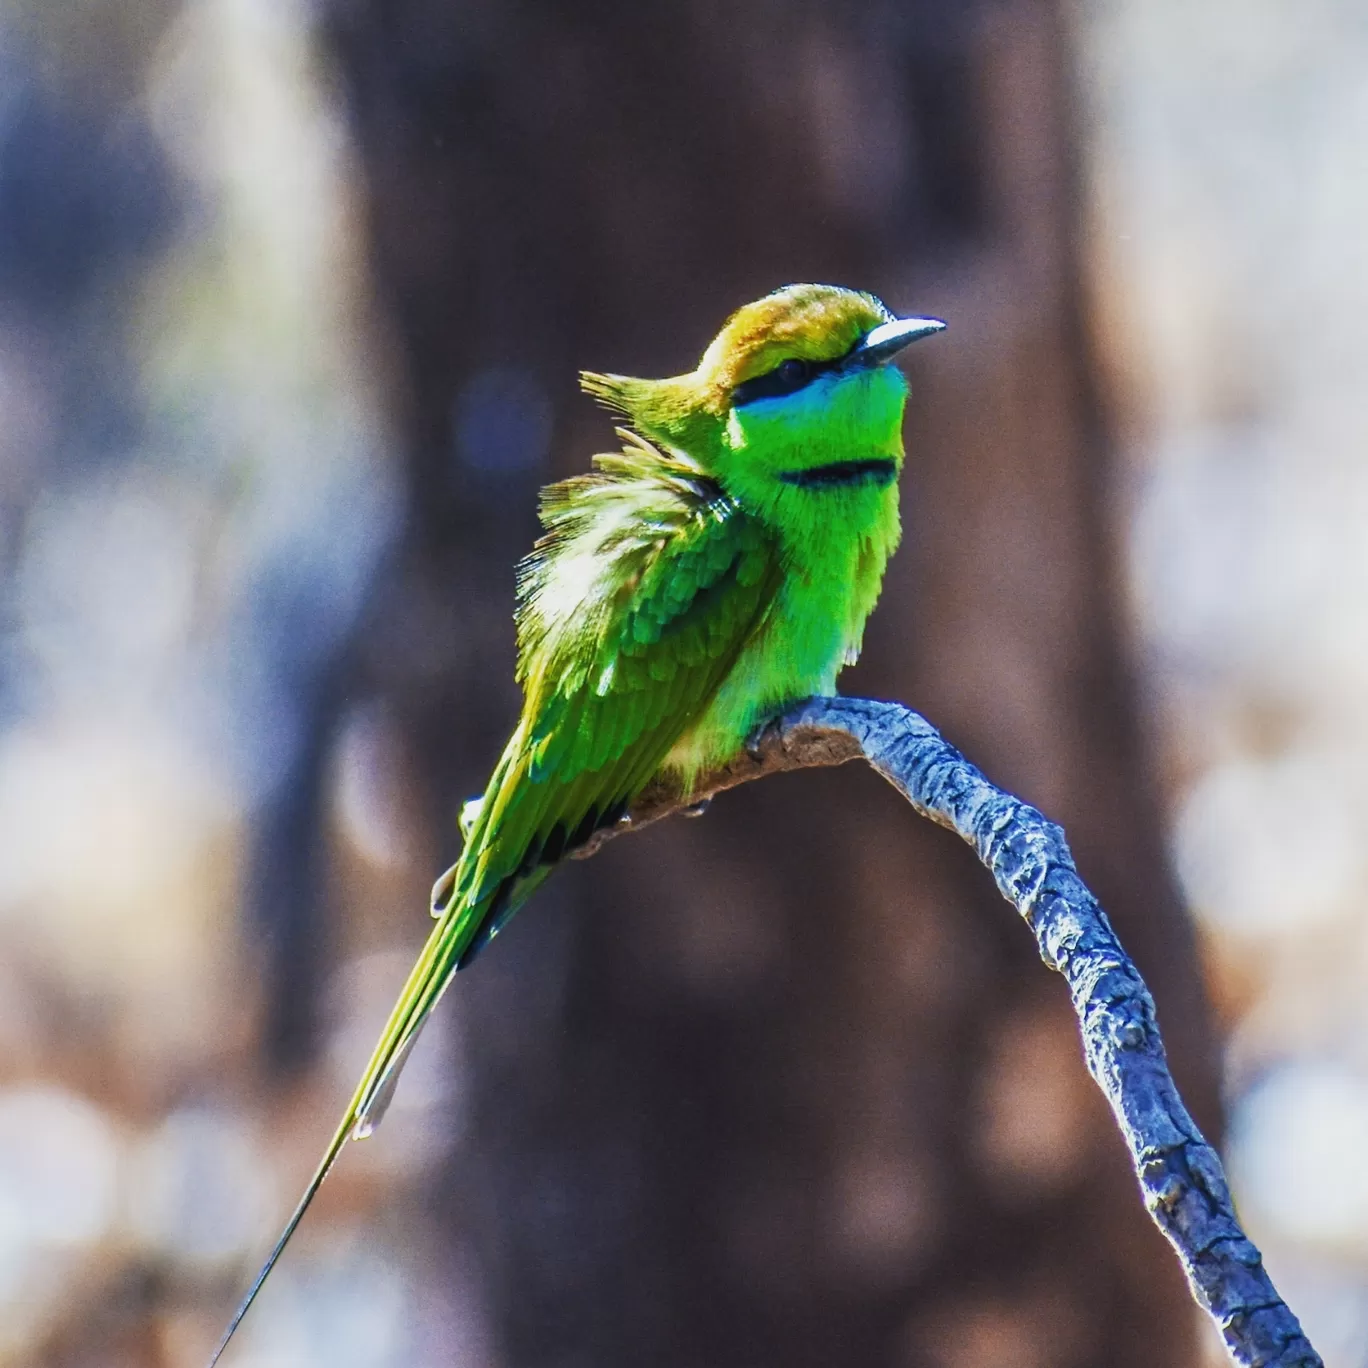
[(720, 565)]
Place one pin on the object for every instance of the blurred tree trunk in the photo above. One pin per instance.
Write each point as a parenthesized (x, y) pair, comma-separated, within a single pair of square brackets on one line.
[(787, 1085)]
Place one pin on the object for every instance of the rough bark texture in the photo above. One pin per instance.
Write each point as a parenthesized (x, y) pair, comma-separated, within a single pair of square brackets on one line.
[(1181, 1177), (786, 1088)]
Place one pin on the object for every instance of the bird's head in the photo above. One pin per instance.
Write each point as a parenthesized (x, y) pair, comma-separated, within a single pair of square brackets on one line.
[(793, 383)]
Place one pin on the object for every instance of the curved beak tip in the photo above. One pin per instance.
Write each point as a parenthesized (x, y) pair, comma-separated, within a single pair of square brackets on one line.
[(890, 338), (926, 326)]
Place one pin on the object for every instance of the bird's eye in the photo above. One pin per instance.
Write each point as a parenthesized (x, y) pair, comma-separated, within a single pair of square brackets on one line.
[(788, 377)]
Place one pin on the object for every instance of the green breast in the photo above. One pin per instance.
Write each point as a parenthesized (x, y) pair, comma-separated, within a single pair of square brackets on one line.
[(836, 541), (818, 470)]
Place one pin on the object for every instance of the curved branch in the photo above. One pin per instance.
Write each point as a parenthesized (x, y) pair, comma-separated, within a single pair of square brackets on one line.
[(1181, 1178)]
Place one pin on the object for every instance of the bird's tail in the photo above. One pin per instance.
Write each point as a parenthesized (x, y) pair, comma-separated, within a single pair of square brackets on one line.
[(457, 926)]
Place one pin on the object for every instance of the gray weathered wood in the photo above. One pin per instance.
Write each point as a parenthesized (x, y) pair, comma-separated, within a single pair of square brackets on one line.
[(1181, 1178)]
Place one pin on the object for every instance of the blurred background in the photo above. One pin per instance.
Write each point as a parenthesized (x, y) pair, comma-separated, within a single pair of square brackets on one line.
[(292, 297)]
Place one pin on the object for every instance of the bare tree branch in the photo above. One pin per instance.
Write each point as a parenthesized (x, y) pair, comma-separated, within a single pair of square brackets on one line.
[(1181, 1177)]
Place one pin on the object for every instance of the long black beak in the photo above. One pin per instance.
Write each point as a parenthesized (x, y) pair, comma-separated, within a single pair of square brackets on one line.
[(888, 339)]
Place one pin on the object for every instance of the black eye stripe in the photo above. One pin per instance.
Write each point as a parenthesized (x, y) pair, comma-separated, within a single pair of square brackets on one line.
[(788, 377)]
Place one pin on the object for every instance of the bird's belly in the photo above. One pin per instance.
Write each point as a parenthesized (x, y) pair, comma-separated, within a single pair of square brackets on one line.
[(813, 630), (835, 553)]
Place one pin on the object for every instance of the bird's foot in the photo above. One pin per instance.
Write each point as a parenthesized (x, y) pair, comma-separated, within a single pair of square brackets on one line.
[(442, 892), (761, 737), (470, 814)]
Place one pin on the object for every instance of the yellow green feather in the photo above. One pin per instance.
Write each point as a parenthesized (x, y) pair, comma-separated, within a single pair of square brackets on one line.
[(721, 564)]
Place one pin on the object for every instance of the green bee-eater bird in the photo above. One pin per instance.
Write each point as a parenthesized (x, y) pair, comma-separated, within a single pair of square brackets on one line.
[(718, 567)]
